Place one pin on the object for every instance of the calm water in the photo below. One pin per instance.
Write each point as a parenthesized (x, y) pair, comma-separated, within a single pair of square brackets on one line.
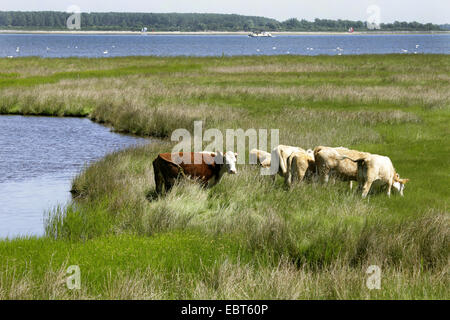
[(215, 45), (39, 156)]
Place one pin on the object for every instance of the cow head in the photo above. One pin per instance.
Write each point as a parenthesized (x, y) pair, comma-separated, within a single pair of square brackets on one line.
[(399, 184), (228, 159), (310, 154)]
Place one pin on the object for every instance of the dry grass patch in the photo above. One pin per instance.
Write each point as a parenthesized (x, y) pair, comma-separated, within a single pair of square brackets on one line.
[(431, 97), (279, 68)]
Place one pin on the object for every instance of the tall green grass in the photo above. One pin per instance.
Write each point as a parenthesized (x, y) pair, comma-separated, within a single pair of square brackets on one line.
[(260, 239)]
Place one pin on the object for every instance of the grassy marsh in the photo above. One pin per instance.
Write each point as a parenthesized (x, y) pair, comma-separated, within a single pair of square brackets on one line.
[(247, 237)]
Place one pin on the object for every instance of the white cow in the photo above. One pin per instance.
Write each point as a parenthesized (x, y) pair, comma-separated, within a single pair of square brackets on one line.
[(279, 156), (299, 164), (375, 170), (333, 162), (260, 157)]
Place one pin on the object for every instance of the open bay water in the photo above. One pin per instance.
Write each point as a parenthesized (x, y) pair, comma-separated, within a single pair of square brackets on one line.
[(100, 45), (39, 157)]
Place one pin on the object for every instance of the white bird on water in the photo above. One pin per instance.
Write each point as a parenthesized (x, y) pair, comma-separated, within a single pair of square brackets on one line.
[(274, 48), (105, 52), (404, 50), (18, 49)]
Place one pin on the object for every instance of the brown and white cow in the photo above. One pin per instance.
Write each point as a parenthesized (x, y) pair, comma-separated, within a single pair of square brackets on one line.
[(332, 162), (378, 171), (168, 167), (260, 157), (300, 164)]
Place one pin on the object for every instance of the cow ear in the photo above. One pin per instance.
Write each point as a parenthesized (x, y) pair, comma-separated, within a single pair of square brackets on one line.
[(213, 154), (235, 154)]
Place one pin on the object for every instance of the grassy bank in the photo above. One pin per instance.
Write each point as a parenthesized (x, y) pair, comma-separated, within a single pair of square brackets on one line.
[(247, 237)]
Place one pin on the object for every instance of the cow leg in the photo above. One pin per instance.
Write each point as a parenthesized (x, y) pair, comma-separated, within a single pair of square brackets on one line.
[(158, 178), (389, 190), (301, 174), (169, 181), (327, 178), (290, 169), (351, 184), (366, 188), (360, 187), (288, 178), (324, 174), (300, 167), (168, 184), (274, 177), (300, 170), (158, 182)]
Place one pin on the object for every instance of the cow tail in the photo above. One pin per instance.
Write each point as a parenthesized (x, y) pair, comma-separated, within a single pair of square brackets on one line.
[(282, 164), (359, 160)]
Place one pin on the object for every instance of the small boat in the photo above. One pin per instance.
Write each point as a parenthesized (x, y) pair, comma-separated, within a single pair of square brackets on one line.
[(351, 30), (260, 34)]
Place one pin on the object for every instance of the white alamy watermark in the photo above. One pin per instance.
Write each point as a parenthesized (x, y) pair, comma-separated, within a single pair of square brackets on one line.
[(74, 280), (213, 140), (374, 279), (373, 21), (74, 20)]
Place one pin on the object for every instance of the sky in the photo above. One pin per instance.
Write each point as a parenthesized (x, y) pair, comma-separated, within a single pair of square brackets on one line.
[(434, 11)]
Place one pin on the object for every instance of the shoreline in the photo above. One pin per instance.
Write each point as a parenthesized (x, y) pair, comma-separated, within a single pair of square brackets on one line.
[(275, 33)]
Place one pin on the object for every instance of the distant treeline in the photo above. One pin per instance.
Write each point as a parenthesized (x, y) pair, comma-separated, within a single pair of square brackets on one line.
[(115, 21)]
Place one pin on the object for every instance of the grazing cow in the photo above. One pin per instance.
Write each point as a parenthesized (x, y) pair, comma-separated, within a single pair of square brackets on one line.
[(375, 170), (260, 157), (332, 161), (168, 167), (279, 157), (299, 164)]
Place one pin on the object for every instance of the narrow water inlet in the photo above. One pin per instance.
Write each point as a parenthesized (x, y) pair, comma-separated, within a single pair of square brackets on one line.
[(39, 156)]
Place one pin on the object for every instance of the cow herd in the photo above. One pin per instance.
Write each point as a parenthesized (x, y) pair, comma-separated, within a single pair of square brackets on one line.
[(294, 164)]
